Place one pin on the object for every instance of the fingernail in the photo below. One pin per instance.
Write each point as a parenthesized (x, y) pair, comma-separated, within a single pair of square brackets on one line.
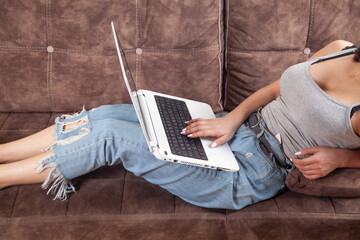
[(298, 153), (213, 145), (187, 122), (189, 135), (291, 159), (183, 131)]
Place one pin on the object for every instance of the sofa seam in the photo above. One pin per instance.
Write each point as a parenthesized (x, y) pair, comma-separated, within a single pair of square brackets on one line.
[(265, 51), (16, 47), (7, 117), (311, 22), (122, 197), (137, 32), (226, 52), (221, 67), (49, 23), (333, 205), (48, 79), (95, 52), (49, 58), (13, 206)]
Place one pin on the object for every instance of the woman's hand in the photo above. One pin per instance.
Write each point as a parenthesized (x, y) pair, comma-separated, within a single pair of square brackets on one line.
[(322, 161), (221, 128)]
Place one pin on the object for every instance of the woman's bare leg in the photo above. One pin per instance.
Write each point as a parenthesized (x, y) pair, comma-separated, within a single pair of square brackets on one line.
[(24, 171), (28, 146)]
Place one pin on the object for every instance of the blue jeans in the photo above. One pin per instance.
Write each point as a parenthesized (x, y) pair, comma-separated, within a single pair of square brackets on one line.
[(111, 134)]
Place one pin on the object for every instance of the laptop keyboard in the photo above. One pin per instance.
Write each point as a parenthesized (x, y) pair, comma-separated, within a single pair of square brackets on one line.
[(173, 115)]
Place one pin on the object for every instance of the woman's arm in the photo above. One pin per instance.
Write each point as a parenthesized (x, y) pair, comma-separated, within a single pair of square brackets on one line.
[(324, 160), (224, 128)]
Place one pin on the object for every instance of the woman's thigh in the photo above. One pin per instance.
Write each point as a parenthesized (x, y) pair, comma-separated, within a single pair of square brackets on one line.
[(124, 112)]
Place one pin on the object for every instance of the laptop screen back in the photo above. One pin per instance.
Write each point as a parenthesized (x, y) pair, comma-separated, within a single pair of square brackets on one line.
[(129, 81)]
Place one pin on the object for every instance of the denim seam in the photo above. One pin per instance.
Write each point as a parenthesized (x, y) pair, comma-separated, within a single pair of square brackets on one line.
[(267, 158), (206, 173), (259, 180), (271, 173)]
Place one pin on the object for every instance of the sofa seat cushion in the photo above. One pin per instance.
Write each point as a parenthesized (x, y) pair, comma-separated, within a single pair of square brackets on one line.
[(113, 202)]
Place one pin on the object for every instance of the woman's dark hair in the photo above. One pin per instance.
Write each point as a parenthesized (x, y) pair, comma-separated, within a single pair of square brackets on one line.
[(357, 55), (357, 52)]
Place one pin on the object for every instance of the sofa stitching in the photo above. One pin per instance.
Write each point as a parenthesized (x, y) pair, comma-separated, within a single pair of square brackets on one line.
[(220, 81), (311, 22), (265, 52), (226, 51), (145, 50), (50, 81), (49, 21), (136, 24), (139, 63), (137, 71), (49, 58), (16, 47), (47, 76)]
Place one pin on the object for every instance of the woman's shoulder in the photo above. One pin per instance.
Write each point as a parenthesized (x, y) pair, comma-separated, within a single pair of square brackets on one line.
[(332, 47)]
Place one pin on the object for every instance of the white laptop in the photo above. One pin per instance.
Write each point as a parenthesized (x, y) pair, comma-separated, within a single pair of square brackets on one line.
[(155, 112)]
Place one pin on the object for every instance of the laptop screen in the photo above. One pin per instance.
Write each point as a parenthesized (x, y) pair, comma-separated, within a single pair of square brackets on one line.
[(129, 82)]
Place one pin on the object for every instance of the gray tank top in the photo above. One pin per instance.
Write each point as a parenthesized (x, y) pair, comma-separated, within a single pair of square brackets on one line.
[(306, 116)]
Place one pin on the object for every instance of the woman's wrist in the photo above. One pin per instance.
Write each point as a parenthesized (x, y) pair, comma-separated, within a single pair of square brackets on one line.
[(351, 159), (235, 119)]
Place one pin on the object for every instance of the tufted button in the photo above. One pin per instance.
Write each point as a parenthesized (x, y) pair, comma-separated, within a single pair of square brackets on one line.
[(138, 51), (307, 51), (50, 49)]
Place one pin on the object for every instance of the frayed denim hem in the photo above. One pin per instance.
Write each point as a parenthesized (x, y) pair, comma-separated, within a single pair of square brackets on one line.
[(61, 186), (69, 128)]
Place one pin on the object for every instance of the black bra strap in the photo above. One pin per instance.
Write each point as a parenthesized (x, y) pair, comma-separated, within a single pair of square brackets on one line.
[(353, 110), (336, 56)]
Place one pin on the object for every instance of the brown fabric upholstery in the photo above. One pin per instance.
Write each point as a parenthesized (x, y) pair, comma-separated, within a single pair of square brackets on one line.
[(264, 38), (183, 54), (339, 183), (66, 49)]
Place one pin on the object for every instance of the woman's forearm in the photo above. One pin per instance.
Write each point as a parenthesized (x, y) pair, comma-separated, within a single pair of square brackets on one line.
[(351, 159), (258, 99)]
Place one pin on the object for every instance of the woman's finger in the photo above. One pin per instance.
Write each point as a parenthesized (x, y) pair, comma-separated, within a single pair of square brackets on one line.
[(302, 161), (194, 120), (220, 141), (306, 168), (202, 133), (189, 130), (312, 177)]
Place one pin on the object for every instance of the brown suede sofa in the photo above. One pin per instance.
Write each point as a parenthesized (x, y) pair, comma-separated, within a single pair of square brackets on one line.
[(56, 56)]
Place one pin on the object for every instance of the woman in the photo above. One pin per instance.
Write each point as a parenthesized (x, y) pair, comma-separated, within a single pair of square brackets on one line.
[(314, 116)]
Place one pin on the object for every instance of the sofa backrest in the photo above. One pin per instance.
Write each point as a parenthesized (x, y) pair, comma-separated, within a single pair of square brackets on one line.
[(59, 55), (56, 56), (263, 38)]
